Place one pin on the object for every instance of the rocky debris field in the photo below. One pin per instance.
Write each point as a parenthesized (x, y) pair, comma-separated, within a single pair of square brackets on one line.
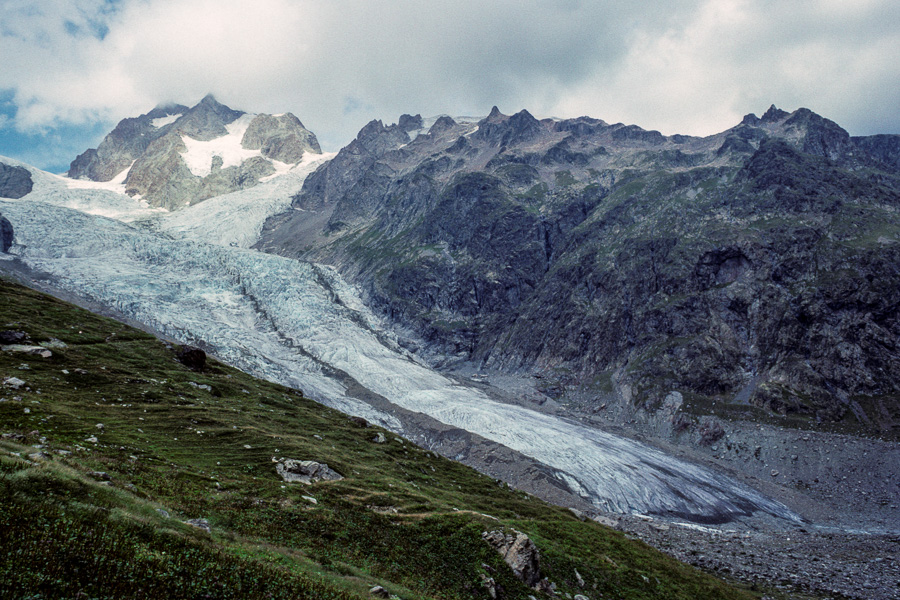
[(808, 560)]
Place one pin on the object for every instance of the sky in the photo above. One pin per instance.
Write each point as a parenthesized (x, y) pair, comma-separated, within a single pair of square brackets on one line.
[(71, 69)]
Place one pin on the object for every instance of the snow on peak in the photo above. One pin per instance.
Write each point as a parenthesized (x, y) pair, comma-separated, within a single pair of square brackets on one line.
[(163, 121), (199, 155)]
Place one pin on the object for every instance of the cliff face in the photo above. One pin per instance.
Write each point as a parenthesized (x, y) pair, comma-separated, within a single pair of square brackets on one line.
[(759, 265), (176, 156)]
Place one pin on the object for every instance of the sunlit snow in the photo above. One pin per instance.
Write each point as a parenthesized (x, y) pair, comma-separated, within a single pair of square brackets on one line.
[(163, 121), (199, 155)]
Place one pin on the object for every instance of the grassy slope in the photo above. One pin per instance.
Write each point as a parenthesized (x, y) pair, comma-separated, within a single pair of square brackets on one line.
[(403, 517)]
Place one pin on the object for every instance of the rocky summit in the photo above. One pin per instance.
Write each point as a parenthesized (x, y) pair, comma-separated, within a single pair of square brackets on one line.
[(175, 156), (757, 268)]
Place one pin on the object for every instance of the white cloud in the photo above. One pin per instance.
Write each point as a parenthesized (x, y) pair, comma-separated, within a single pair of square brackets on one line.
[(738, 56), (689, 66)]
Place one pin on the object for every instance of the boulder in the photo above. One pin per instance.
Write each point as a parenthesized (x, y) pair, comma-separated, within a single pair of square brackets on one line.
[(359, 421), (379, 592), (519, 552), (192, 357), (13, 382), (11, 337), (35, 350), (15, 182), (306, 471), (200, 524)]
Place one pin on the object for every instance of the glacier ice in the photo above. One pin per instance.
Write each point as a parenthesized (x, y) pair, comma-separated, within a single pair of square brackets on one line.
[(190, 276)]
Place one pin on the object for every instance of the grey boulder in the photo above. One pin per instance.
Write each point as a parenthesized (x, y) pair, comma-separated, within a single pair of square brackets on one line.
[(306, 471)]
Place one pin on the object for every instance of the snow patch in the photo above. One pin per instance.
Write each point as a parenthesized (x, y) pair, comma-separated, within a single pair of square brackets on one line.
[(116, 184), (198, 155), (163, 121)]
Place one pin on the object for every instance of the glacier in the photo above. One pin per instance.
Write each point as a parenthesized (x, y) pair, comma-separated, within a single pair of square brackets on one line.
[(191, 276)]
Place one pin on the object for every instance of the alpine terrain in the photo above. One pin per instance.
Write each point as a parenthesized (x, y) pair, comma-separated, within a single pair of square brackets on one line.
[(694, 340)]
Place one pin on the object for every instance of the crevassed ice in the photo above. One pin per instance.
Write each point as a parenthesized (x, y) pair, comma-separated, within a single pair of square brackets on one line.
[(287, 321)]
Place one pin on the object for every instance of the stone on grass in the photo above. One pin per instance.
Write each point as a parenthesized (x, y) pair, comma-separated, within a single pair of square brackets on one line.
[(379, 438), (33, 350), (519, 552), (192, 357), (11, 337), (305, 471), (200, 524), (379, 592), (13, 382)]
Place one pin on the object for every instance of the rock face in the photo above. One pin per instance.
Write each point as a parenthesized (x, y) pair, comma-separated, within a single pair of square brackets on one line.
[(306, 471), (6, 234), (756, 266), (282, 138), (15, 182), (176, 156)]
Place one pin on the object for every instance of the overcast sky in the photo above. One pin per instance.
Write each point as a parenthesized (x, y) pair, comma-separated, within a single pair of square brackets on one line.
[(70, 69)]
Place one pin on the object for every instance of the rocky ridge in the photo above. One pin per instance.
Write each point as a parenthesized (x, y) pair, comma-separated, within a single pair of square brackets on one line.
[(174, 156), (756, 267)]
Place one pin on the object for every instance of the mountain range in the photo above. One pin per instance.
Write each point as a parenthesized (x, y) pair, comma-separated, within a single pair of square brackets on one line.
[(754, 267), (614, 320)]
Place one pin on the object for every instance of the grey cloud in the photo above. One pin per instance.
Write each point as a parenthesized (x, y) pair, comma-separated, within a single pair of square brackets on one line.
[(691, 66)]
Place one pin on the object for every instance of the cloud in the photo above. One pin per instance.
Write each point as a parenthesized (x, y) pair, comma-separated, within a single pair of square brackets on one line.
[(688, 66)]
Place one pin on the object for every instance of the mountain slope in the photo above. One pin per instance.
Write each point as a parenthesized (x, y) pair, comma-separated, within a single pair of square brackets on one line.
[(757, 266), (110, 446)]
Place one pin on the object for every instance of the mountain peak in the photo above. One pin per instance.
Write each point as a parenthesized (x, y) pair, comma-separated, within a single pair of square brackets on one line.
[(494, 115), (209, 99), (774, 114)]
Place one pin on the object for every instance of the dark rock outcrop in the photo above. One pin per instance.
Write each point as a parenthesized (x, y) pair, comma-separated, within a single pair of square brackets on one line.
[(191, 357), (15, 182), (6, 234), (12, 337)]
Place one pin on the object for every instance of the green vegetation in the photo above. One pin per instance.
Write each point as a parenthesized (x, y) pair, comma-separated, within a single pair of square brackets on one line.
[(111, 445)]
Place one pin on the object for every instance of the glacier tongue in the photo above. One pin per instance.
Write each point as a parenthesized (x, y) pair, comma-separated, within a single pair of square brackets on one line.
[(299, 324)]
